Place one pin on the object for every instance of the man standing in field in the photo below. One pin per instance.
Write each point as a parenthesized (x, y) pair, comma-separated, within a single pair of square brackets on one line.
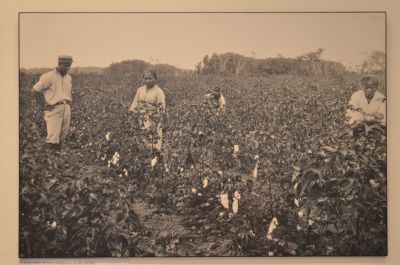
[(53, 95), (367, 104)]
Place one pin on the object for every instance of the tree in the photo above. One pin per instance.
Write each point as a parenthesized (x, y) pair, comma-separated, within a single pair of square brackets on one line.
[(374, 63)]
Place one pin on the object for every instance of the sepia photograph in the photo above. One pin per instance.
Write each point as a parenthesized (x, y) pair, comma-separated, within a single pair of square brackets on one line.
[(203, 134)]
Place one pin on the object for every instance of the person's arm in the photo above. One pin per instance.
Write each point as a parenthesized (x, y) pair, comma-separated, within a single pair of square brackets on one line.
[(37, 90), (379, 114), (353, 111), (161, 100), (135, 104)]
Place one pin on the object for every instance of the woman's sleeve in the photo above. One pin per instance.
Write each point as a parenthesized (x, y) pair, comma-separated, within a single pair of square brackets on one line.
[(161, 99), (135, 104)]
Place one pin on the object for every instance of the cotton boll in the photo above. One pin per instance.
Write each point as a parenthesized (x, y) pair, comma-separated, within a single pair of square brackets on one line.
[(235, 205), (272, 226), (205, 182), (255, 170), (115, 159), (224, 200), (108, 136), (373, 184), (236, 195), (235, 150), (300, 214), (154, 162)]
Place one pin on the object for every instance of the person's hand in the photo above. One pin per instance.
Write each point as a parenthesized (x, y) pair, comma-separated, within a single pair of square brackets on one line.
[(48, 107), (378, 116)]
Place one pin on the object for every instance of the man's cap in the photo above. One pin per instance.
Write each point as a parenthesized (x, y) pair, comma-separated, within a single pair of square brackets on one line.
[(65, 59)]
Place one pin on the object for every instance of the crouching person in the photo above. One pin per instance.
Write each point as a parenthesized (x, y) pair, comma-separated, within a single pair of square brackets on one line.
[(367, 104)]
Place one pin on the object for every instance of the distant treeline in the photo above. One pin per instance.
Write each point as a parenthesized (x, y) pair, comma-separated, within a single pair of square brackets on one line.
[(234, 64), (309, 64)]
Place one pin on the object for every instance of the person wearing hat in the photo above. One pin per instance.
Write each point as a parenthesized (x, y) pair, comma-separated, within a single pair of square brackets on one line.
[(367, 104), (53, 95)]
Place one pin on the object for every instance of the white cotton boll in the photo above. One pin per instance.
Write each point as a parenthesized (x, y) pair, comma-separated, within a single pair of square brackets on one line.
[(108, 136), (236, 195), (310, 222), (300, 214), (235, 150), (270, 254), (205, 182), (373, 184), (309, 151), (154, 161), (220, 172), (53, 225), (103, 157), (256, 157), (296, 202), (194, 190), (296, 173), (221, 214), (272, 226), (125, 172), (255, 171), (252, 233), (120, 175), (224, 200), (235, 205), (115, 159), (199, 194), (298, 228)]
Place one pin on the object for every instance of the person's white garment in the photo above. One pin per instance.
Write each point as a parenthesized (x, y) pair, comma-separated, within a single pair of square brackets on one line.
[(57, 123), (145, 97), (55, 87), (149, 98), (359, 109)]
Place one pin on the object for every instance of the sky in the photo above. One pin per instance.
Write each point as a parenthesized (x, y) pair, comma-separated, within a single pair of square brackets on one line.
[(183, 39)]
